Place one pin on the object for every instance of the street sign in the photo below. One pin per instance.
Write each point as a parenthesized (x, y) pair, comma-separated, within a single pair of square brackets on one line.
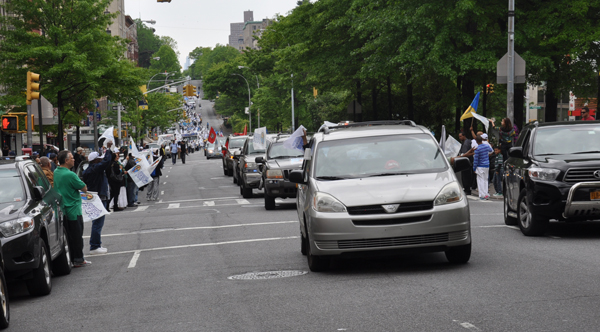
[(115, 108), (502, 69), (535, 107)]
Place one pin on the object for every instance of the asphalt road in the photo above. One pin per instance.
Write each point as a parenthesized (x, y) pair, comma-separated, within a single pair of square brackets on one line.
[(169, 263)]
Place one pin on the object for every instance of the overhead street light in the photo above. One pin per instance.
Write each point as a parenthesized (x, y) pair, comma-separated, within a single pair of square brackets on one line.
[(257, 87), (249, 102)]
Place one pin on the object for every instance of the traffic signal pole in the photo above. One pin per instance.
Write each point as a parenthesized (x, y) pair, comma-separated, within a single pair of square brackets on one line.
[(510, 80)]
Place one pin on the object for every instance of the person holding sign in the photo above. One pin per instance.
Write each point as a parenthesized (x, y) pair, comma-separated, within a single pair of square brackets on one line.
[(96, 180), (68, 185)]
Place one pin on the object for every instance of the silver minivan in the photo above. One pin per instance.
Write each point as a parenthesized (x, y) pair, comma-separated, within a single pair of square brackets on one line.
[(376, 187)]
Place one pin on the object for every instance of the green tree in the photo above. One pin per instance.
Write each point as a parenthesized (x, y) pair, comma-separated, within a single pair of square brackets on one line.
[(148, 43)]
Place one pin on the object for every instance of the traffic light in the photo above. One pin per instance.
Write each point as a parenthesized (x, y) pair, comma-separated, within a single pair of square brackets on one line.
[(315, 92), (10, 122), (33, 88), (192, 90), (27, 123), (489, 88)]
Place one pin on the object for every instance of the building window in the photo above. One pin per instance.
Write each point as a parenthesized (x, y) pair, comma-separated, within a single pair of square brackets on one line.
[(541, 95)]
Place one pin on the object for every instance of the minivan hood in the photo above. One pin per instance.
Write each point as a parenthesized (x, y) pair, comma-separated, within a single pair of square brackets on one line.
[(387, 189)]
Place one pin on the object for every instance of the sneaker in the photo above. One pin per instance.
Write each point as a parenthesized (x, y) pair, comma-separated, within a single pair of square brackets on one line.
[(482, 198), (497, 194), (98, 251), (487, 197), (82, 264)]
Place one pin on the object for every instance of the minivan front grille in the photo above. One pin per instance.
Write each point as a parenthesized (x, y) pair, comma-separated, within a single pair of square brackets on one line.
[(378, 209), (575, 175), (393, 241)]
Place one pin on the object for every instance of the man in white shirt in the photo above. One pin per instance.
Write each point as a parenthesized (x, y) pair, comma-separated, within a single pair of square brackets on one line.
[(174, 149)]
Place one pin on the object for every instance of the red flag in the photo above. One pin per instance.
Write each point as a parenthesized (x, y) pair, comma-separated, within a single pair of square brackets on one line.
[(212, 135), (245, 130)]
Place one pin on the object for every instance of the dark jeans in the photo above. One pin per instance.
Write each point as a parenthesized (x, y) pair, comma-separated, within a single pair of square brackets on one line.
[(498, 182), (115, 189), (75, 235), (504, 147), (131, 192), (174, 157), (183, 157), (467, 180), (97, 224)]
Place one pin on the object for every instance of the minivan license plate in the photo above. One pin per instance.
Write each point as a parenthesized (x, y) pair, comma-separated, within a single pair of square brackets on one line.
[(595, 195)]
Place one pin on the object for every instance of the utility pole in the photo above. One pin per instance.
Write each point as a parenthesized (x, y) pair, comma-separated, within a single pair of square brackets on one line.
[(510, 87), (119, 122), (293, 125)]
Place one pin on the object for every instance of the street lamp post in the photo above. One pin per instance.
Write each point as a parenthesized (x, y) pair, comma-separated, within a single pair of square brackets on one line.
[(249, 102), (293, 126), (257, 87)]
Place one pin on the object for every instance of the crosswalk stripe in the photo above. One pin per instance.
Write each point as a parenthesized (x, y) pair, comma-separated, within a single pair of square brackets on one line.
[(141, 208), (242, 201), (209, 203), (173, 206)]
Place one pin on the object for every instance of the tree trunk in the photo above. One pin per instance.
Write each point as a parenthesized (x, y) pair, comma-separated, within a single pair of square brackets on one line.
[(459, 111), (389, 95), (484, 106), (77, 137), (551, 104), (359, 100), (409, 97), (374, 100)]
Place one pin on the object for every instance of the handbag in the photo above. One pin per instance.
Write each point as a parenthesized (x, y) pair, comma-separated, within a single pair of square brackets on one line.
[(116, 178)]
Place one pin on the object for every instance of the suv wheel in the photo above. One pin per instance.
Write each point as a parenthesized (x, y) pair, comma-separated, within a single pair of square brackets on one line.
[(316, 263), (459, 254), (4, 307), (224, 167), (269, 202), (303, 243), (529, 223), (230, 172), (246, 192), (508, 220), (41, 283), (62, 264), (235, 181)]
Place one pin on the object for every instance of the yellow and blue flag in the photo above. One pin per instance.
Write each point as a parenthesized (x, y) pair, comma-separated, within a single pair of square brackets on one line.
[(471, 109)]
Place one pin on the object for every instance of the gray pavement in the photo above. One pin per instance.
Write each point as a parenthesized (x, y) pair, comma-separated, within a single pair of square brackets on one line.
[(169, 261)]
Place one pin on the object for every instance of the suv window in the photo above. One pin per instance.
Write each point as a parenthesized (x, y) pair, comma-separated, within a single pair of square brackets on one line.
[(236, 143), (38, 174), (378, 156), (278, 151), (567, 140), (11, 189), (249, 148)]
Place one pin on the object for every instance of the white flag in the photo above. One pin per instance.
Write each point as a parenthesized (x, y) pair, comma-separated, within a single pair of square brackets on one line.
[(483, 119), (108, 135), (295, 141), (260, 138), (133, 148), (451, 147)]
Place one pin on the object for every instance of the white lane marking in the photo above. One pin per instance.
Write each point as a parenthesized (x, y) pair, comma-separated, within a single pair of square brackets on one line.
[(167, 176), (173, 206), (199, 199), (134, 259), (513, 227), (164, 183), (171, 167), (199, 245), (141, 208), (209, 203), (200, 228), (467, 325), (242, 201), (158, 202), (221, 177), (162, 192)]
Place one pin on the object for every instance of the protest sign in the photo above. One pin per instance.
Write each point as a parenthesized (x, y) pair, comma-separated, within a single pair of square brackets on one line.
[(295, 141), (259, 140), (92, 207)]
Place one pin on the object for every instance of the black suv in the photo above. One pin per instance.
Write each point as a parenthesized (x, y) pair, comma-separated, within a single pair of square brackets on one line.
[(276, 167), (32, 234), (232, 144), (553, 172)]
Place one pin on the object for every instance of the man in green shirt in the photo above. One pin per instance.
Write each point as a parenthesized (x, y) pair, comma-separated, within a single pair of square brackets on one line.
[(68, 185)]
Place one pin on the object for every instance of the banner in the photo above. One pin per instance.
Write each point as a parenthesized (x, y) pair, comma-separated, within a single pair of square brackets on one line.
[(259, 140), (212, 136), (295, 141), (140, 175), (91, 206)]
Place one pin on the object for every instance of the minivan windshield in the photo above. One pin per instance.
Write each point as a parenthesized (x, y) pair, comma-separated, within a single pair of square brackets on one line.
[(236, 143), (378, 156), (11, 189), (278, 151), (571, 139)]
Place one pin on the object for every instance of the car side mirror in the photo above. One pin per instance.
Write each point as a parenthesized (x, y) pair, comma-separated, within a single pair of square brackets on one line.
[(461, 164), (260, 160), (516, 152), (38, 193), (297, 176)]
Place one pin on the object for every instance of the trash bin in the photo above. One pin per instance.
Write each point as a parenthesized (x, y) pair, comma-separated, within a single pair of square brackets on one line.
[(27, 151)]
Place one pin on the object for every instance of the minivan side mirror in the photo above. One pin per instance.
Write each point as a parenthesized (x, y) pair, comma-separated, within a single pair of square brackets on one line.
[(516, 152), (297, 176), (260, 160), (461, 164), (38, 193)]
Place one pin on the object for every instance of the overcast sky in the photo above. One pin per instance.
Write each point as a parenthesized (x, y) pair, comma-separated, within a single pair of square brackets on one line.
[(201, 23)]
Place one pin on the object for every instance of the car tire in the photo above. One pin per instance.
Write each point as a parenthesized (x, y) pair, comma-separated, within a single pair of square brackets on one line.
[(269, 202), (224, 169), (530, 224), (316, 263), (62, 265), (246, 192), (303, 243), (41, 283), (459, 254), (230, 172), (508, 220), (235, 181), (4, 304)]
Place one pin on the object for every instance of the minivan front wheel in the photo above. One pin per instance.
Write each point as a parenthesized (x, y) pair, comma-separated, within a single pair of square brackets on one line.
[(459, 254), (530, 223), (316, 263)]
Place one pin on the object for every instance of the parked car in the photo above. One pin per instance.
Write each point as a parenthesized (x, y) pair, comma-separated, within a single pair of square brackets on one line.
[(276, 167), (34, 239), (373, 187), (246, 172), (553, 172), (232, 144), (213, 150)]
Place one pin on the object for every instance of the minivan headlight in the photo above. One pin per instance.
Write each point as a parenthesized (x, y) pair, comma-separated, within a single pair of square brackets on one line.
[(16, 226), (543, 174), (323, 202), (451, 193)]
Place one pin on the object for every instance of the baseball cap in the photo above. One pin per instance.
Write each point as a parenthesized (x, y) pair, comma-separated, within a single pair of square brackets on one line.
[(484, 136), (80, 149), (94, 155)]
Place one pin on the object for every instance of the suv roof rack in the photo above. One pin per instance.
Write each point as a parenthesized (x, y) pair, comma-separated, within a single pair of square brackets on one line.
[(325, 129)]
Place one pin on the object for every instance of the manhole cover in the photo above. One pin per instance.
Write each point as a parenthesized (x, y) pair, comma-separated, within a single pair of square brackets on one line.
[(267, 275)]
